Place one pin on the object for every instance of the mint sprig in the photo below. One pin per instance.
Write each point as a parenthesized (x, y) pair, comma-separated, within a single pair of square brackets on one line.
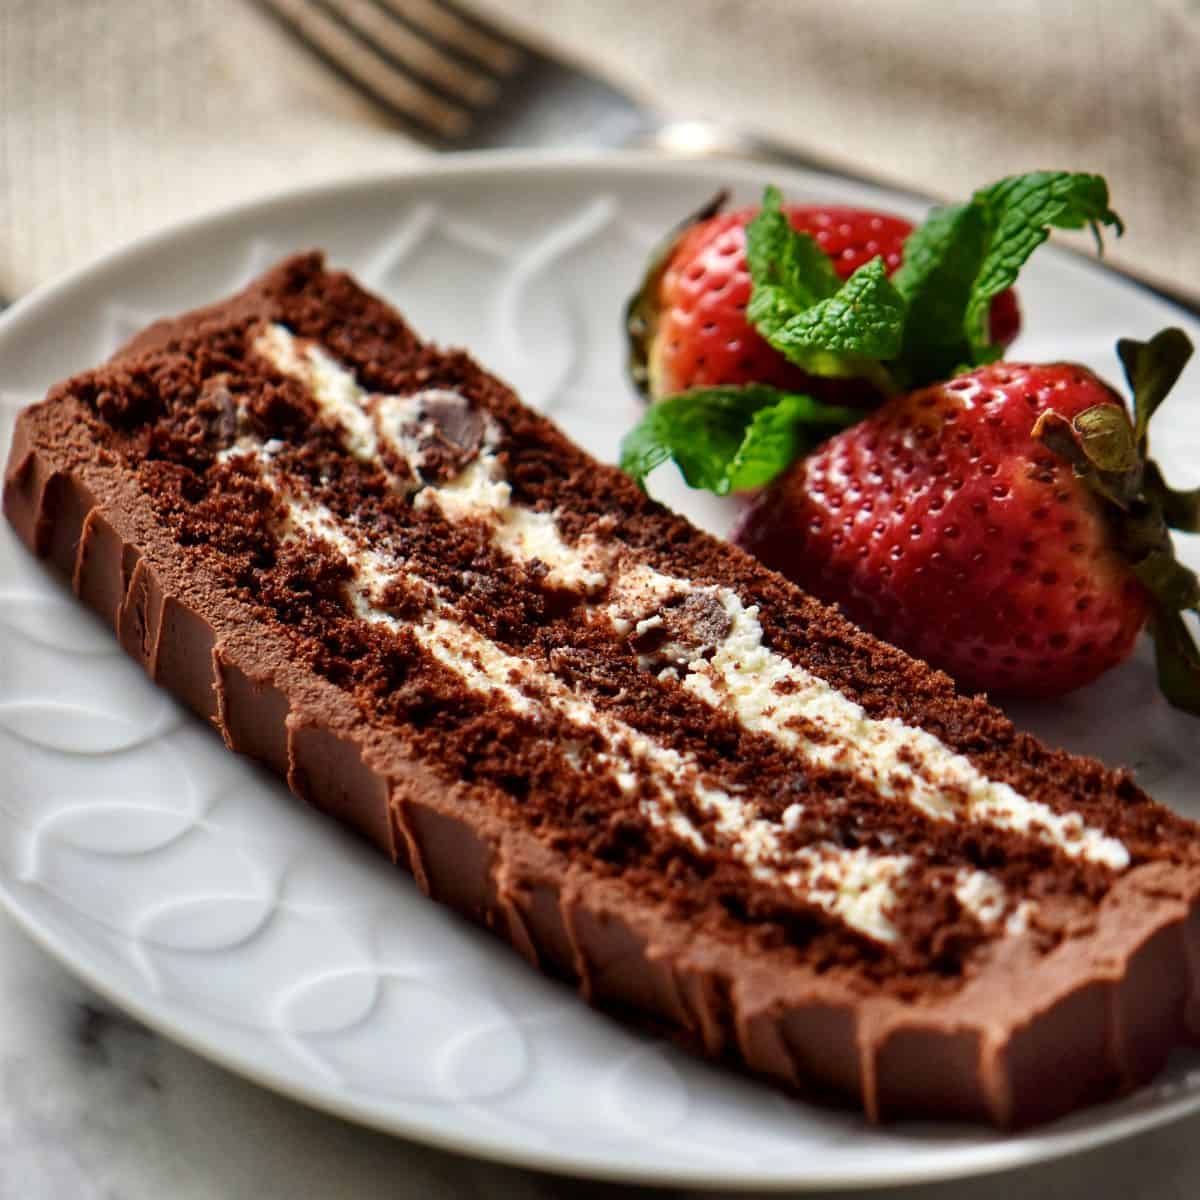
[(937, 280), (791, 273), (1021, 210), (730, 439), (801, 307), (929, 321), (850, 334)]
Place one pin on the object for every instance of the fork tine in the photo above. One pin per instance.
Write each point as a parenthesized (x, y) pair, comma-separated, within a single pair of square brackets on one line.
[(368, 70), (419, 55), (469, 37)]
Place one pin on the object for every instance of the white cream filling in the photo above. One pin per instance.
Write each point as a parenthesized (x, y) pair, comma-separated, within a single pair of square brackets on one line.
[(772, 695), (856, 886), (336, 390), (764, 690), (478, 491), (481, 491), (984, 895)]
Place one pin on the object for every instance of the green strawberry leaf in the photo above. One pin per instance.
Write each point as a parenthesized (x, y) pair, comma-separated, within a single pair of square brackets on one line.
[(1108, 453), (732, 438), (1180, 510), (1177, 660), (1152, 369), (1174, 586), (1021, 210)]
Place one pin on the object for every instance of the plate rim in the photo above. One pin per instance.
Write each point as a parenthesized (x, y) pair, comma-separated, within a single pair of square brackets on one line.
[(1006, 1153), (530, 161)]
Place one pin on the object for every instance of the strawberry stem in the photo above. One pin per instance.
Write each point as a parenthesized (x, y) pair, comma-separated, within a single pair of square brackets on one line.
[(1109, 453), (1177, 660), (1180, 510), (1099, 443), (1152, 369)]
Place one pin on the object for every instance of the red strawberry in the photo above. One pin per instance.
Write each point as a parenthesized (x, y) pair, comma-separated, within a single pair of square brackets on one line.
[(944, 525), (687, 324)]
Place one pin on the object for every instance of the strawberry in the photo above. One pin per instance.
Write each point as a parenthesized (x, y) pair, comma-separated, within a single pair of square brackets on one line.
[(1003, 525), (688, 325)]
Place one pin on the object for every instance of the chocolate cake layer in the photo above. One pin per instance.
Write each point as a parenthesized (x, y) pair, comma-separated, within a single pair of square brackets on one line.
[(653, 766)]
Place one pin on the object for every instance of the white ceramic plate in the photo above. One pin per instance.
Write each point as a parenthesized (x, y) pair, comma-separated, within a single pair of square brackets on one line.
[(194, 891)]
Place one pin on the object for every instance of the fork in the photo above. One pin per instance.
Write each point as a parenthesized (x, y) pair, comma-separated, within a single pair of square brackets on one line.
[(457, 82)]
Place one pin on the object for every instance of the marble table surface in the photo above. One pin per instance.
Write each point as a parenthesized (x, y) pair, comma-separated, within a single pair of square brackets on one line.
[(95, 1107)]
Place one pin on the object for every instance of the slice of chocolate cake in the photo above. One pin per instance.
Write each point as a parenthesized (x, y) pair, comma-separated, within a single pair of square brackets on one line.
[(653, 766)]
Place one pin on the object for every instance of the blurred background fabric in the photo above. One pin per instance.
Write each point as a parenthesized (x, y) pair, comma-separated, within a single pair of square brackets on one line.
[(120, 116)]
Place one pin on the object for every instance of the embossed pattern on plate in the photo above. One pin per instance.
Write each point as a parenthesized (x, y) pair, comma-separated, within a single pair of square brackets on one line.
[(192, 889)]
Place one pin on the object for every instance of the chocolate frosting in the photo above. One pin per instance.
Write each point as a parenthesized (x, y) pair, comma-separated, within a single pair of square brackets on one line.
[(107, 481)]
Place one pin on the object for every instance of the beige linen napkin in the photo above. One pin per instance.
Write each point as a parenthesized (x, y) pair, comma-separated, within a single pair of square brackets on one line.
[(938, 95), (118, 116)]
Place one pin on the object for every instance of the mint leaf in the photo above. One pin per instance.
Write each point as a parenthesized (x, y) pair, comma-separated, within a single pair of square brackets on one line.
[(966, 255), (930, 321), (941, 261), (933, 318), (789, 271), (779, 434), (730, 439), (701, 430), (852, 332), (1021, 210)]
